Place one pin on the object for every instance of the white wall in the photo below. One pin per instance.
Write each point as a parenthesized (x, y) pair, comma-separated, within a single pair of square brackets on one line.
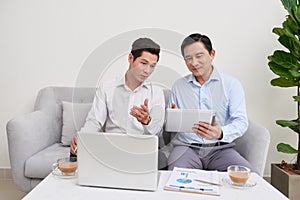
[(47, 42)]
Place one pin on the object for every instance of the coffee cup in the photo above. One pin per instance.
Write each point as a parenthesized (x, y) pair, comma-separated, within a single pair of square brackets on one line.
[(67, 166), (238, 174)]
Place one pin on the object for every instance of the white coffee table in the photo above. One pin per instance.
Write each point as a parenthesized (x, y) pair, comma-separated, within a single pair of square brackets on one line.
[(56, 188)]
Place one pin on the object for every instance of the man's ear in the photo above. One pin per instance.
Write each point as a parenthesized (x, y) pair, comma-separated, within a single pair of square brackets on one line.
[(130, 58), (212, 54)]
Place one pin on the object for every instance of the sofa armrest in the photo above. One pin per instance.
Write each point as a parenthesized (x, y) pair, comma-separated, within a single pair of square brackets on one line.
[(254, 146), (27, 135)]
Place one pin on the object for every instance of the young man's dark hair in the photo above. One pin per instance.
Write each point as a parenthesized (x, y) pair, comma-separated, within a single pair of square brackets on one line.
[(196, 37), (144, 44)]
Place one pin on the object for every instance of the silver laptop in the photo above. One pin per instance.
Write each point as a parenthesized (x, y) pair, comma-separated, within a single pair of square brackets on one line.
[(117, 160)]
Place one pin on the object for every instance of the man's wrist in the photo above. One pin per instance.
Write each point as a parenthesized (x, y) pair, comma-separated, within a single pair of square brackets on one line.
[(221, 135), (149, 119)]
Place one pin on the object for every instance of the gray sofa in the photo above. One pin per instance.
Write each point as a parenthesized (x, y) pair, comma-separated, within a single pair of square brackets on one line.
[(34, 139)]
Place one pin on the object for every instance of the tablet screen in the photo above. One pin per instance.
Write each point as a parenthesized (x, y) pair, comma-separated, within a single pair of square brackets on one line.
[(183, 120)]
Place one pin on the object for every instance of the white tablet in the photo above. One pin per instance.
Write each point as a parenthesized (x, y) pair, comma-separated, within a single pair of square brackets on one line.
[(183, 120)]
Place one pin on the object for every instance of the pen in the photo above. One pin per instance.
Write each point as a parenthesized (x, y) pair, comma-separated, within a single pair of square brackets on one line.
[(191, 188), (207, 182)]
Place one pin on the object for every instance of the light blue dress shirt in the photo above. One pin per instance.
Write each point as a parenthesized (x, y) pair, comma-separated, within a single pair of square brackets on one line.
[(222, 93)]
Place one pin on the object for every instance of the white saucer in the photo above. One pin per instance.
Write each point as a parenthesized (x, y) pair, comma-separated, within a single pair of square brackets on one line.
[(248, 184), (59, 174)]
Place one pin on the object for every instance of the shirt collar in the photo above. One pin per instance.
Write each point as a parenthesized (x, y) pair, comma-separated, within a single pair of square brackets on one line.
[(121, 82), (215, 76)]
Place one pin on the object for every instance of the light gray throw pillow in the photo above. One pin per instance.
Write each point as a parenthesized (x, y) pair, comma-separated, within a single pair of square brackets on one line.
[(74, 116)]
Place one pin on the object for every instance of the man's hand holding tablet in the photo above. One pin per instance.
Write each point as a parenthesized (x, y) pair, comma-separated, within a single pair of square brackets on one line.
[(208, 131), (187, 120)]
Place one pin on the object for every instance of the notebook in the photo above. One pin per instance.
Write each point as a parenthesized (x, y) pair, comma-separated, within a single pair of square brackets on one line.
[(183, 120), (117, 160)]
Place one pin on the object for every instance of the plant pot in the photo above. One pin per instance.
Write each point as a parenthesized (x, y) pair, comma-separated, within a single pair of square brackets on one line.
[(285, 182)]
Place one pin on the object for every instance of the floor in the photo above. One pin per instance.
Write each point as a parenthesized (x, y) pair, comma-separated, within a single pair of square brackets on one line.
[(8, 190)]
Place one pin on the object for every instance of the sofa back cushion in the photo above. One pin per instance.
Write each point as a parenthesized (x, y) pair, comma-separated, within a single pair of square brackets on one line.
[(74, 115), (49, 101)]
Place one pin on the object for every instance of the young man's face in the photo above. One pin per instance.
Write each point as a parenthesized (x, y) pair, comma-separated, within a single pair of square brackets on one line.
[(198, 59), (142, 67)]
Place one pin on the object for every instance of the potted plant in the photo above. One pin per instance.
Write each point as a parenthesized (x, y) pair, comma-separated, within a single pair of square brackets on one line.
[(286, 64)]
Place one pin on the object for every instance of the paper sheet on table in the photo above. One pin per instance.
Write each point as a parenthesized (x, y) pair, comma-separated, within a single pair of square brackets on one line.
[(184, 180)]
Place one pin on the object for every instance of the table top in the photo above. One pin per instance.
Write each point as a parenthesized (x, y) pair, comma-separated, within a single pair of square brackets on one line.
[(53, 187)]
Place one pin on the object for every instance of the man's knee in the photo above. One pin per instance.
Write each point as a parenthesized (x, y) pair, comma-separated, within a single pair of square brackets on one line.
[(185, 158), (228, 157)]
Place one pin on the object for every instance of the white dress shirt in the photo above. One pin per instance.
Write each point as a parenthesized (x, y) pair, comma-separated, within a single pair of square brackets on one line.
[(110, 111)]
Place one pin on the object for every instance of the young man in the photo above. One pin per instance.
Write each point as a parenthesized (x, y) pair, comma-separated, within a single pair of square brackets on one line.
[(208, 146), (129, 104)]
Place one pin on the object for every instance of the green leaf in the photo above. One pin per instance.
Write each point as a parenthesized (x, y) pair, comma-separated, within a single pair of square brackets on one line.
[(283, 31), (280, 31), (297, 14), (291, 43), (288, 5), (292, 124), (296, 98), (291, 25), (286, 123), (283, 82), (280, 71), (284, 59), (286, 148), (295, 73)]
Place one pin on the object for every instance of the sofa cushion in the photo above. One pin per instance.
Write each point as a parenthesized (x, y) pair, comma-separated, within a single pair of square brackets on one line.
[(74, 115), (40, 165)]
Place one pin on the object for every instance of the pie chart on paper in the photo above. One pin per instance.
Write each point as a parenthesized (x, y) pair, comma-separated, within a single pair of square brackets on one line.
[(184, 180)]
